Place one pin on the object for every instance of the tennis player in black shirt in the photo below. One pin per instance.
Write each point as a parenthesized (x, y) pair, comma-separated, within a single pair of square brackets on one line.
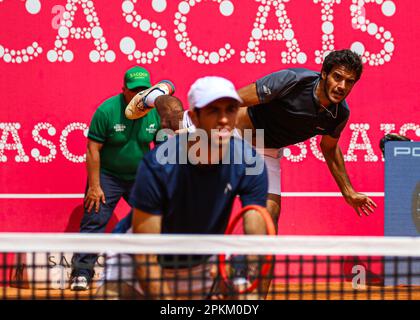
[(293, 105)]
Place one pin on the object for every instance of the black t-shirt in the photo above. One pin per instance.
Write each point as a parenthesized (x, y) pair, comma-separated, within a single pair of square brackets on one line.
[(289, 109)]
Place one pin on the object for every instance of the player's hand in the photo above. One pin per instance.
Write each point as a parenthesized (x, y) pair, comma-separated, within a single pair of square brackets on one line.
[(94, 197), (361, 203)]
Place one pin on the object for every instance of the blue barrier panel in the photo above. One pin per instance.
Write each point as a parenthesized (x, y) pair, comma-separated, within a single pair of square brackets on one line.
[(402, 202)]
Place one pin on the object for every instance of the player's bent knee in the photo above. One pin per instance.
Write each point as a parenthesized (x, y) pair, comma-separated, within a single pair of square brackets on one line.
[(273, 207)]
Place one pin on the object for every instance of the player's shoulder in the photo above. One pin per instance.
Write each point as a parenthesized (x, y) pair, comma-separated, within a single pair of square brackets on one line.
[(154, 158), (111, 104), (152, 118), (166, 154), (153, 114), (283, 73), (291, 76), (303, 73)]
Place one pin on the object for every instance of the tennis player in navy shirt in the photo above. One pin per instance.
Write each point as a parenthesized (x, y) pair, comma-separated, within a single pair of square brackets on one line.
[(190, 189)]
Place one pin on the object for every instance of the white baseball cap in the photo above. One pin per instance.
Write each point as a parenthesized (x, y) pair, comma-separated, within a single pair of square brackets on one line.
[(208, 89)]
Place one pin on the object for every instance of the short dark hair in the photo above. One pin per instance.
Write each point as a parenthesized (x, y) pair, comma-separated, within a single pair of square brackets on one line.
[(346, 58)]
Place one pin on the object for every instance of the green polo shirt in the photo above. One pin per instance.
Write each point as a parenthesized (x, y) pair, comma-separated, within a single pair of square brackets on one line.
[(124, 141)]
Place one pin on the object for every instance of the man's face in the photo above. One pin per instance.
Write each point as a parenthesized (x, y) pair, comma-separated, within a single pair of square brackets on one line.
[(219, 116), (338, 83), (130, 93)]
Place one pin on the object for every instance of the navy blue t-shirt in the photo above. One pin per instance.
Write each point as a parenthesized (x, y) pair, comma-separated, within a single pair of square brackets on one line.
[(289, 109), (198, 199)]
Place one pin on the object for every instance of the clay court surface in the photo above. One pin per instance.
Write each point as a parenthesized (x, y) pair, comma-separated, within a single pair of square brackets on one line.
[(320, 291)]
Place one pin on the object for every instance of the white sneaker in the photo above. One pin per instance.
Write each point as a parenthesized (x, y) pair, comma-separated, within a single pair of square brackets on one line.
[(79, 283), (137, 108)]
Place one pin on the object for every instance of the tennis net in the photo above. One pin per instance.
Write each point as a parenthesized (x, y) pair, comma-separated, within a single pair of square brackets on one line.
[(38, 266)]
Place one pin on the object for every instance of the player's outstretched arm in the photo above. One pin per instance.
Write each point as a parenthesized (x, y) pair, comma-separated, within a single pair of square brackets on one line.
[(334, 158), (148, 269), (249, 95)]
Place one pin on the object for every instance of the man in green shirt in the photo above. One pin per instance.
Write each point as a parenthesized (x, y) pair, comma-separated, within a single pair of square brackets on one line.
[(116, 145)]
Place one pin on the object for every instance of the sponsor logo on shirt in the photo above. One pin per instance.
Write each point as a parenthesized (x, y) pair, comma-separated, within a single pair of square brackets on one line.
[(119, 127), (266, 90), (228, 188), (151, 129)]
